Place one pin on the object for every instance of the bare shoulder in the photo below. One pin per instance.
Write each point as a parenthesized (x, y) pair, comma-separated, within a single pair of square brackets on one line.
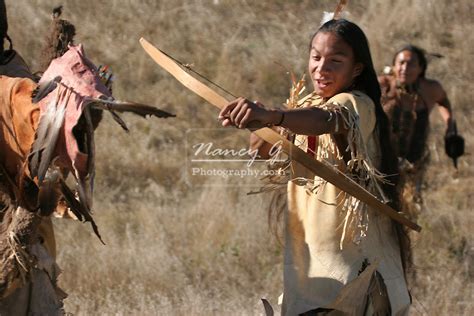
[(433, 88), (431, 85)]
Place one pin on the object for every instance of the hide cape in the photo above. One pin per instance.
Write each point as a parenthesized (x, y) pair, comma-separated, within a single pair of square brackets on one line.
[(71, 97), (78, 87), (64, 94)]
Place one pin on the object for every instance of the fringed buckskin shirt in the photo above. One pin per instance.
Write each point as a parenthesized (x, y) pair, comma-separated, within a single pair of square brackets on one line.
[(334, 244)]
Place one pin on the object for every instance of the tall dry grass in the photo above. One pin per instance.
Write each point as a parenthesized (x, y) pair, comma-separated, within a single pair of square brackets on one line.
[(175, 248)]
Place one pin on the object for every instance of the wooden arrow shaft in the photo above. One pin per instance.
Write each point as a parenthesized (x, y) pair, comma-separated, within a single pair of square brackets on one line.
[(318, 168)]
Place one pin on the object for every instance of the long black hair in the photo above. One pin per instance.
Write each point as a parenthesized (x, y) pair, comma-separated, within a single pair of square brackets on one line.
[(3, 24), (367, 82), (5, 54), (420, 53)]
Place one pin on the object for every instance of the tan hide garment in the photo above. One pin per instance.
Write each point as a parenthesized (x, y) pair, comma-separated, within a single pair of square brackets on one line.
[(330, 235), (18, 121)]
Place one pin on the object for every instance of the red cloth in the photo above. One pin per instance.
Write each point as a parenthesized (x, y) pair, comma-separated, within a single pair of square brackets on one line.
[(310, 150)]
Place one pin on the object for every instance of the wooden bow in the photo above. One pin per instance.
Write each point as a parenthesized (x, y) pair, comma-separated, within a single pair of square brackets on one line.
[(318, 168)]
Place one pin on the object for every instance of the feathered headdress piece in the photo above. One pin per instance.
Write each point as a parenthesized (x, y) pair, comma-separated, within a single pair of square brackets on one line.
[(337, 14)]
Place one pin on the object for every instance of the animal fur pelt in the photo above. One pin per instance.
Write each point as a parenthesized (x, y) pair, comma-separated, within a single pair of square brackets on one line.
[(61, 35), (18, 228)]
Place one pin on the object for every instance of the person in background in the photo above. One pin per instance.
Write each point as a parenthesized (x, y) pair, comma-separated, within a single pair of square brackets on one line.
[(408, 98)]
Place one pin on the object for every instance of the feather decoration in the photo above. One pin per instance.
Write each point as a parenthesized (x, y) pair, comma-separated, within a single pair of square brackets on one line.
[(57, 11), (90, 150), (48, 193), (71, 201), (47, 135), (119, 120), (79, 209), (435, 55), (339, 8), (44, 88), (49, 144), (83, 192), (337, 14), (268, 307), (142, 110), (327, 16)]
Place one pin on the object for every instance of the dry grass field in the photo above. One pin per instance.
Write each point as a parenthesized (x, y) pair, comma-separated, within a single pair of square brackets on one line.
[(200, 247)]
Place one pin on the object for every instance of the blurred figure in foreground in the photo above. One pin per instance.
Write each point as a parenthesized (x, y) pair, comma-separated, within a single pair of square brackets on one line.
[(46, 143)]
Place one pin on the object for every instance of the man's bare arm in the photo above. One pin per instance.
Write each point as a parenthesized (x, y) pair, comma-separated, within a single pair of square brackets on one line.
[(444, 107)]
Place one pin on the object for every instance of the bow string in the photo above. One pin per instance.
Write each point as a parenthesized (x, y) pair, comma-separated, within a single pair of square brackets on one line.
[(320, 169)]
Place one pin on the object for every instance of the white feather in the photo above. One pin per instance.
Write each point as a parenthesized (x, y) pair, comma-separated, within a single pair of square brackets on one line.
[(327, 16)]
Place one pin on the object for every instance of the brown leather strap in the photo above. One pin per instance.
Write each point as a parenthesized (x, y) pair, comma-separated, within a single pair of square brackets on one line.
[(318, 168)]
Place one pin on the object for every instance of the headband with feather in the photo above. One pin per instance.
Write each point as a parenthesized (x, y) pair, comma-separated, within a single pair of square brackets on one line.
[(337, 14)]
